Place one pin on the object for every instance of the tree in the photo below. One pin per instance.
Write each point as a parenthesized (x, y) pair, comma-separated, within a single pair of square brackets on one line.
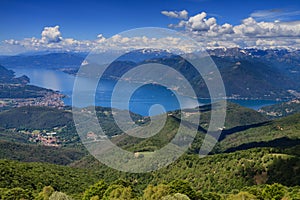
[(95, 198), (156, 192), (242, 196), (274, 192), (119, 192), (45, 194), (294, 193), (2, 191), (59, 196), (17, 193), (176, 196), (183, 187), (211, 196), (122, 182), (98, 189)]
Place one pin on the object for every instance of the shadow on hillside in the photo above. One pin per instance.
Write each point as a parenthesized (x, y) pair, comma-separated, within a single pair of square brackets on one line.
[(285, 171), (280, 142), (224, 132), (190, 125), (239, 128)]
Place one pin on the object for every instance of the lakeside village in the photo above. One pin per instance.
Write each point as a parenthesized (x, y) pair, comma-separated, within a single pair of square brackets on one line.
[(50, 99)]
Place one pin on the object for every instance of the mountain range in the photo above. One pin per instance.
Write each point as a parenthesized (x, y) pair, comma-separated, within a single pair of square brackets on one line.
[(247, 73), (256, 156)]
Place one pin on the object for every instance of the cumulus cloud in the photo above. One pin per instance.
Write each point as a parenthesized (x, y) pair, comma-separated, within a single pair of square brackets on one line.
[(51, 39), (176, 14), (253, 28), (200, 24), (123, 43), (250, 32), (51, 34)]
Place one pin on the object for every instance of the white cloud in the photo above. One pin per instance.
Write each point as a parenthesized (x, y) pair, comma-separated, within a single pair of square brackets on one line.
[(100, 38), (51, 39), (226, 29), (205, 30), (274, 14), (249, 27), (176, 14), (268, 29), (270, 43), (197, 23), (51, 34), (249, 33)]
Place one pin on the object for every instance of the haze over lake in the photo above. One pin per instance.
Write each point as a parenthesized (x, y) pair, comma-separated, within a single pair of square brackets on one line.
[(140, 102)]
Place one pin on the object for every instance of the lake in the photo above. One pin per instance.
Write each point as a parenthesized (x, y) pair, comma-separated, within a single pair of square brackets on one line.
[(140, 102)]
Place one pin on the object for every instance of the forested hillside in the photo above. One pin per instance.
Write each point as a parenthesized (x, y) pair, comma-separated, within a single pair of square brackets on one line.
[(255, 158)]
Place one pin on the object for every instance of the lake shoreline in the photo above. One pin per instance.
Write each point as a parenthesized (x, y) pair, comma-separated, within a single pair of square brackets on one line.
[(140, 104)]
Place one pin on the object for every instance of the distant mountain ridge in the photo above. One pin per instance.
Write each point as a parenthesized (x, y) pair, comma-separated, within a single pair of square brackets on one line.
[(247, 73), (48, 60), (17, 87), (8, 77)]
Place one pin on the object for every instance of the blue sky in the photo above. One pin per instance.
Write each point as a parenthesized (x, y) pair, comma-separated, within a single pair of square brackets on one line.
[(84, 20)]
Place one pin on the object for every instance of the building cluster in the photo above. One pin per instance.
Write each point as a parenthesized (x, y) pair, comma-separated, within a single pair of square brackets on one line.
[(47, 139), (50, 99)]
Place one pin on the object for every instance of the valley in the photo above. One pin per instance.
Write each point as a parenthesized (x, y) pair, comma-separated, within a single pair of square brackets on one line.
[(150, 100), (236, 165), (256, 155)]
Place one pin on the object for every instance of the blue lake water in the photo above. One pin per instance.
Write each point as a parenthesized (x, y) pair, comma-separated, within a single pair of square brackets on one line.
[(140, 102)]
